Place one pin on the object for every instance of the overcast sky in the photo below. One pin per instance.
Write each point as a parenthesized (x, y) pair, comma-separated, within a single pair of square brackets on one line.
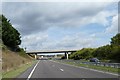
[(63, 25)]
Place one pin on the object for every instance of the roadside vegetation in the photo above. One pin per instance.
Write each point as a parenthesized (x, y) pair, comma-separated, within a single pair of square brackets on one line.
[(17, 71), (107, 53), (14, 58), (101, 68), (10, 36), (0, 48)]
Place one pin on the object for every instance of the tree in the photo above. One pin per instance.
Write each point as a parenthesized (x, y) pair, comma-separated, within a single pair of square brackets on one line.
[(0, 27), (115, 53), (10, 36), (102, 52), (84, 53), (110, 52), (116, 40), (115, 47)]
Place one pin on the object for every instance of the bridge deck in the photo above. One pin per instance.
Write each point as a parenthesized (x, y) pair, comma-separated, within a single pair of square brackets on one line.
[(40, 52)]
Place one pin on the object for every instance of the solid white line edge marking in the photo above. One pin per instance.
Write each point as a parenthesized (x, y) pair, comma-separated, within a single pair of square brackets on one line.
[(87, 68), (32, 71)]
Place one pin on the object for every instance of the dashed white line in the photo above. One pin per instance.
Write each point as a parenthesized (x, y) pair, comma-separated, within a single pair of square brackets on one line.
[(61, 69), (32, 71), (87, 68)]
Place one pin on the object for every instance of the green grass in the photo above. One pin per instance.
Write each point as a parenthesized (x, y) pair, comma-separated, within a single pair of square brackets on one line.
[(102, 68), (0, 75), (14, 73)]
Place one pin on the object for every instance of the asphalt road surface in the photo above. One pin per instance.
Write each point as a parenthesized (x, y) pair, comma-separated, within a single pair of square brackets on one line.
[(51, 69)]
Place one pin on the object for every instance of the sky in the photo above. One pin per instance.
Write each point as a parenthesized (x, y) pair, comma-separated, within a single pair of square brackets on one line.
[(63, 25)]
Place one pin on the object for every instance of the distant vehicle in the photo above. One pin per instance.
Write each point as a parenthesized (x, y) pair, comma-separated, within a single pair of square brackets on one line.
[(44, 58), (94, 60)]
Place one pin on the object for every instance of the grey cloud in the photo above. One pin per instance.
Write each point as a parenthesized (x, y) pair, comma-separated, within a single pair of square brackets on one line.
[(29, 23), (35, 17), (75, 42), (119, 17), (118, 23)]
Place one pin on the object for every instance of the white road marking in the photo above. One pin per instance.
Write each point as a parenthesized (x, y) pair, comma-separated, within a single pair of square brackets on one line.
[(87, 68), (32, 71), (61, 69)]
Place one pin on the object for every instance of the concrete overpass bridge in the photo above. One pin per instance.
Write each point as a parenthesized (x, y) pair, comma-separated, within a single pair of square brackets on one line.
[(66, 52)]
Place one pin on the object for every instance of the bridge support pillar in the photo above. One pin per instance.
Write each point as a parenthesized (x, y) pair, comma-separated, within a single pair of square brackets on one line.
[(55, 55), (66, 55), (35, 56)]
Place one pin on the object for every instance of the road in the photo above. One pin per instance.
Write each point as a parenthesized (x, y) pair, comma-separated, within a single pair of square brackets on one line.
[(51, 69)]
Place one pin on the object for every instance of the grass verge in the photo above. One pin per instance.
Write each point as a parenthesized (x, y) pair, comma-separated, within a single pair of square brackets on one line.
[(15, 72), (102, 68)]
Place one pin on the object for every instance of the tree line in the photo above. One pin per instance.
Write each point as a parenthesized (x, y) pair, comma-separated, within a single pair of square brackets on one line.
[(10, 36), (107, 52)]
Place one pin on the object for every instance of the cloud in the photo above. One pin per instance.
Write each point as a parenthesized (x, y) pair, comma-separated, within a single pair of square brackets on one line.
[(61, 1), (119, 23), (34, 17), (66, 43), (0, 8), (34, 41), (80, 40), (34, 21), (114, 25)]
